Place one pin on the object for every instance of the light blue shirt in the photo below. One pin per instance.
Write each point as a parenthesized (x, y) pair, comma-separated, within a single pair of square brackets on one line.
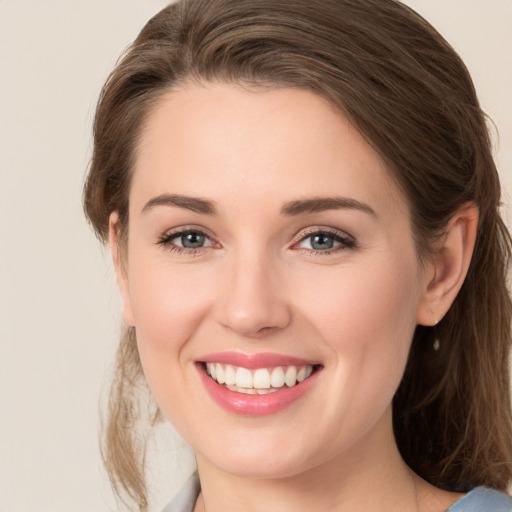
[(480, 499)]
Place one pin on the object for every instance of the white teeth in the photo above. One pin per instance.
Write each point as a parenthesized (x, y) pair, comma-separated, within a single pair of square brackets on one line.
[(290, 377), (243, 378), (229, 376), (251, 391), (277, 377), (219, 372), (260, 380)]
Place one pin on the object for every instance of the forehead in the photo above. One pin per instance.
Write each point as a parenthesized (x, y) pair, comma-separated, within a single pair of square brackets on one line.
[(222, 141)]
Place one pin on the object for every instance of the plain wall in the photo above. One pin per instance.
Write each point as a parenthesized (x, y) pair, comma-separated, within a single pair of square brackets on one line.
[(59, 310)]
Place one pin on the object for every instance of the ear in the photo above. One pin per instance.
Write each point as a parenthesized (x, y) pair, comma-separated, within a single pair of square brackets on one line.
[(120, 266), (448, 267)]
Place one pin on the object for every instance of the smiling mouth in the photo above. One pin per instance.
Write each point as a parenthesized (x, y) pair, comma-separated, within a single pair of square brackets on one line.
[(258, 381)]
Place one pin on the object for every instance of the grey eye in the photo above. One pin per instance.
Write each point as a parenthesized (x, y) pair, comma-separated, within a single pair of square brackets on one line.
[(324, 241), (321, 242), (186, 240), (191, 240)]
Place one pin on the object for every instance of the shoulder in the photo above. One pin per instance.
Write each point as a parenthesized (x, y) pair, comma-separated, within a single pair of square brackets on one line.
[(483, 499), (185, 500)]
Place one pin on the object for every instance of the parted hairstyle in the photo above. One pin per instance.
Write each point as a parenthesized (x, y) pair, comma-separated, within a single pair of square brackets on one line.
[(411, 97)]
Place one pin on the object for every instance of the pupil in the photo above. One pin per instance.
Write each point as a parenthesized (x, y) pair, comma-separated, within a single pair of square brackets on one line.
[(192, 240), (322, 242)]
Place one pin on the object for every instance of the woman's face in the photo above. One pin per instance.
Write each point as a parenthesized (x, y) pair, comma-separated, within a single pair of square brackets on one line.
[(267, 240)]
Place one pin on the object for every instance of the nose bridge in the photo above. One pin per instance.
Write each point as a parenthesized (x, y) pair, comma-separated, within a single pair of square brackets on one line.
[(254, 302)]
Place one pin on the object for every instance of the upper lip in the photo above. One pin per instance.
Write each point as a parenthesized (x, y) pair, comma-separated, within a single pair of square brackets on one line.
[(252, 361)]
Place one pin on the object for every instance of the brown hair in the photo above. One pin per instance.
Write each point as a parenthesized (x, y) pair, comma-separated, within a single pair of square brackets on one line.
[(409, 94)]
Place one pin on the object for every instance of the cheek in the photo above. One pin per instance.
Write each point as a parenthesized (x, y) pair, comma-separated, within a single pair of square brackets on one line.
[(367, 317), (360, 303), (168, 305), (166, 302)]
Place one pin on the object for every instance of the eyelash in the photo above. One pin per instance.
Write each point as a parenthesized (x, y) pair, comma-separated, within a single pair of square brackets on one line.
[(346, 242), (166, 241)]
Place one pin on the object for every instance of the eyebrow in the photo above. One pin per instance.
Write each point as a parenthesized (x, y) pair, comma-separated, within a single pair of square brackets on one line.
[(194, 204), (292, 208), (321, 204)]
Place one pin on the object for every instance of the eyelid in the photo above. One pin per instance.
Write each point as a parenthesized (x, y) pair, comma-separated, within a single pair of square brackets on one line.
[(304, 233), (167, 236), (347, 241)]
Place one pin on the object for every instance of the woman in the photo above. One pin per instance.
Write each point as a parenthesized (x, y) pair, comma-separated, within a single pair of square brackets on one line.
[(302, 208)]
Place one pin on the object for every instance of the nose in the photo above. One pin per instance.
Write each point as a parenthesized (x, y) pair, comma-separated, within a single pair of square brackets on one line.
[(253, 304)]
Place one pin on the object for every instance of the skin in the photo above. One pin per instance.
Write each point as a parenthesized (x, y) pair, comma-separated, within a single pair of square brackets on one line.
[(258, 285)]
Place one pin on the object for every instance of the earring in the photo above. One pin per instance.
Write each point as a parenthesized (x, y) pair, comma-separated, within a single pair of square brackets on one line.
[(436, 345)]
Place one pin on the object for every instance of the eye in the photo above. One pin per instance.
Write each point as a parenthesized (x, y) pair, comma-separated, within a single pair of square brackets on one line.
[(325, 241), (189, 240)]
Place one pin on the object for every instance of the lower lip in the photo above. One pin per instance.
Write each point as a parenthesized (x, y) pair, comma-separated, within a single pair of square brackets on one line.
[(255, 405)]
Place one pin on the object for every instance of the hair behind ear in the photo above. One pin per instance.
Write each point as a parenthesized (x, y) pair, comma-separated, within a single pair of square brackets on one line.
[(452, 414), (124, 431)]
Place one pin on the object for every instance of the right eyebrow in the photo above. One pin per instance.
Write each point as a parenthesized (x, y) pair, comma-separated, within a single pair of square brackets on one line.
[(321, 204), (194, 204)]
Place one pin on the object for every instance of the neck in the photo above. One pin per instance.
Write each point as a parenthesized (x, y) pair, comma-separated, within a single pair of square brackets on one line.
[(371, 475)]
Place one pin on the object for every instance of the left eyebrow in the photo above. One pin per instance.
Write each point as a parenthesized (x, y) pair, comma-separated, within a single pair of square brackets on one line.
[(321, 204), (194, 204)]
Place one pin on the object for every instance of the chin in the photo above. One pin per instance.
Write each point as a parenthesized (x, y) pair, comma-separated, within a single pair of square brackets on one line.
[(262, 460), (261, 469)]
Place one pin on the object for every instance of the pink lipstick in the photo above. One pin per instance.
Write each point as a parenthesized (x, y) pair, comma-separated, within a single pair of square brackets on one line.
[(256, 384)]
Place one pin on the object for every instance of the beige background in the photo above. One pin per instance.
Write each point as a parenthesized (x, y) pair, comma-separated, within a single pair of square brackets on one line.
[(59, 311)]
